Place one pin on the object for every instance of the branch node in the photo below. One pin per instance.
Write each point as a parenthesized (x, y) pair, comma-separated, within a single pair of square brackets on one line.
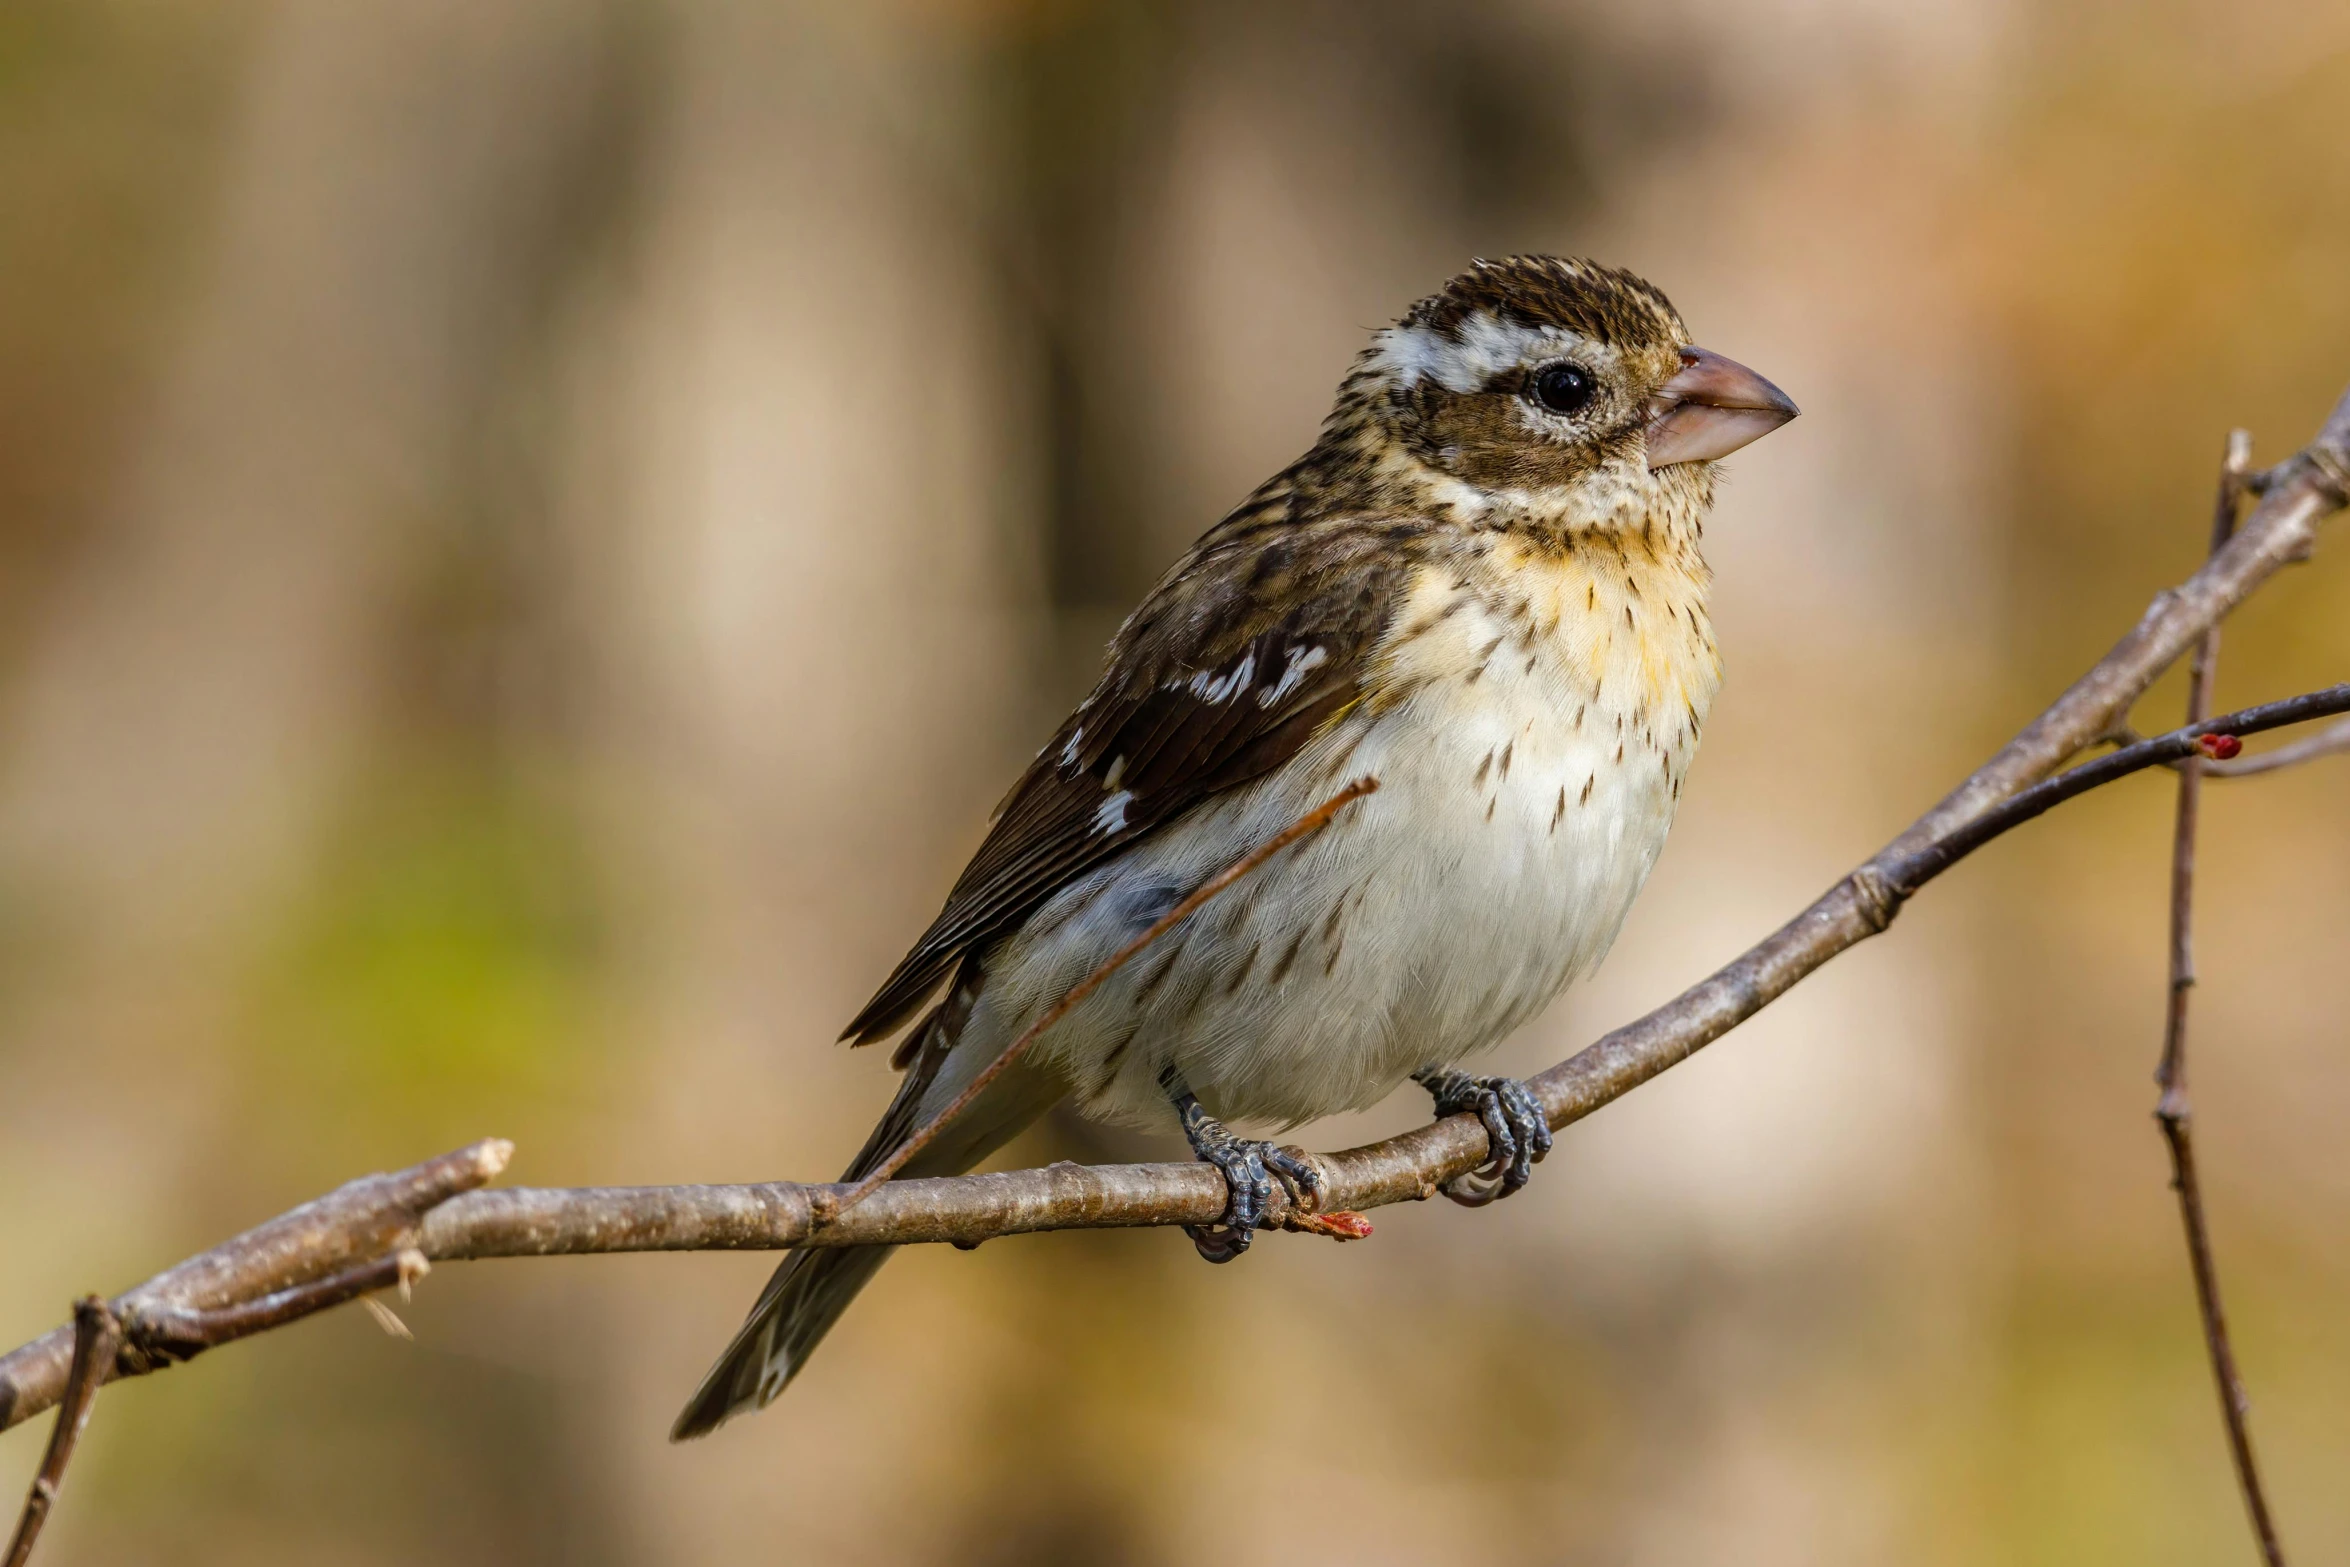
[(1876, 897), (823, 1207), (2329, 472), (148, 1344)]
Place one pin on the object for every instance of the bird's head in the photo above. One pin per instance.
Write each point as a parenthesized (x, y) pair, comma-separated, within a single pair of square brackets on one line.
[(1537, 376)]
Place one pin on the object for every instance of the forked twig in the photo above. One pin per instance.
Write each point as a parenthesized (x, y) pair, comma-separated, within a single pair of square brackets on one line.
[(2173, 1112), (1304, 827), (2329, 741), (2326, 742), (1902, 874), (97, 1334), (181, 1331)]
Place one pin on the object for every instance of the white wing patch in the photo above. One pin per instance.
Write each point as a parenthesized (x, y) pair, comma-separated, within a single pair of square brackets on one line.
[(1111, 817), (1299, 662), (1212, 688)]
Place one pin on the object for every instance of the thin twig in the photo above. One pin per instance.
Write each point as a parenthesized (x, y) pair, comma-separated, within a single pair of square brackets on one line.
[(1903, 874), (97, 1334), (1304, 827), (2326, 742), (181, 1331), (2173, 1112), (382, 1214)]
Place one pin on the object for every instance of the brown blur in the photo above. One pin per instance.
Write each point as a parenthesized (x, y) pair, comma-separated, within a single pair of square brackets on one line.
[(532, 532)]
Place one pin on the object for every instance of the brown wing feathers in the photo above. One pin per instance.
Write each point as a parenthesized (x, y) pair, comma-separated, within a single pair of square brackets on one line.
[(1200, 697)]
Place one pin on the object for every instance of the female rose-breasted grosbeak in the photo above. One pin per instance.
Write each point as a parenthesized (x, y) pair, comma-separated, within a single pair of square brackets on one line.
[(1481, 586)]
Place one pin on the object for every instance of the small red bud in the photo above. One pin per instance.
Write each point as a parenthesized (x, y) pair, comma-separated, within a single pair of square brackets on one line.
[(2219, 747)]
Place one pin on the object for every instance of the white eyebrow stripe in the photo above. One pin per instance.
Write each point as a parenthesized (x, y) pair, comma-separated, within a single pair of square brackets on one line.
[(1488, 345), (1408, 353), (1482, 347)]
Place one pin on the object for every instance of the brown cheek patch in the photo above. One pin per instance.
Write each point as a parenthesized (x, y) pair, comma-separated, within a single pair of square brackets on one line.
[(1485, 440)]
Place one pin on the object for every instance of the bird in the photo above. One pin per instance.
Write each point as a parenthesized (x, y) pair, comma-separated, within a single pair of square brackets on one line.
[(1482, 586)]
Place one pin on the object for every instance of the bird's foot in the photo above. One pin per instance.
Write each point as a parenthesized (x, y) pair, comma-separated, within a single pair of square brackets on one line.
[(1517, 1133), (1250, 1167)]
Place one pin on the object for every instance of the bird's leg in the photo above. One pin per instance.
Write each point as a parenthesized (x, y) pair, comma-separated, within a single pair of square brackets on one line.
[(1517, 1133), (1250, 1168)]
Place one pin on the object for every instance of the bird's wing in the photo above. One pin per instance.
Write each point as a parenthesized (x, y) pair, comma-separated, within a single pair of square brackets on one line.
[(1244, 650)]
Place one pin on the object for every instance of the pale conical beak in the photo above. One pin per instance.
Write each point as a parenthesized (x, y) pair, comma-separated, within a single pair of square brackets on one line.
[(1710, 409)]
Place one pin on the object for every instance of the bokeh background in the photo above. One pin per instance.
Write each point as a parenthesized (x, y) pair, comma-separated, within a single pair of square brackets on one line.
[(532, 532)]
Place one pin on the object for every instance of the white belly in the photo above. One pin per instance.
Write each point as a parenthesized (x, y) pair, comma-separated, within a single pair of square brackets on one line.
[(1514, 824)]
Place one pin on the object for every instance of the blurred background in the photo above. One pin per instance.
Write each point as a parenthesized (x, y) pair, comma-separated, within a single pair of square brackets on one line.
[(532, 533)]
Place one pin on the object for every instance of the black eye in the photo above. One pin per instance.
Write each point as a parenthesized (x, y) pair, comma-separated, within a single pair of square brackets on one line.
[(1563, 388)]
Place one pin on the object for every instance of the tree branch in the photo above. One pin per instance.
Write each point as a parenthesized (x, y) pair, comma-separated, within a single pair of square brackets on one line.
[(420, 1210), (2173, 1113)]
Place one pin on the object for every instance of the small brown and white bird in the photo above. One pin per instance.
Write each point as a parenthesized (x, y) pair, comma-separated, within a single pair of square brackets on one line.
[(1483, 587)]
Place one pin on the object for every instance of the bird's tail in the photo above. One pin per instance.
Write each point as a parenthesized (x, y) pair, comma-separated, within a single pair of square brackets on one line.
[(810, 1291), (801, 1303)]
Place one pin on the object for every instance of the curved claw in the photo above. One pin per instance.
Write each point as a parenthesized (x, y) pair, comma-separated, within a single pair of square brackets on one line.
[(1517, 1133), (1249, 1191), (1249, 1168), (1300, 1176)]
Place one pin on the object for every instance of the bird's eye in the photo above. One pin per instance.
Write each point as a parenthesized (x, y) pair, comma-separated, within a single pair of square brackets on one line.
[(1563, 388)]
